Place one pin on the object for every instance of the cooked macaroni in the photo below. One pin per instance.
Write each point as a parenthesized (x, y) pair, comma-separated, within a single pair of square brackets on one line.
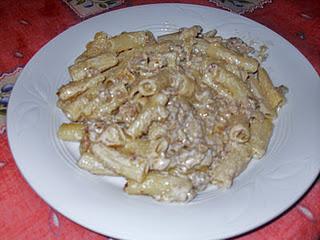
[(171, 115)]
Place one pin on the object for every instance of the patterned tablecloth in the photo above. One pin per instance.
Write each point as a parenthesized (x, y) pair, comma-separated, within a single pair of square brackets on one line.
[(25, 26)]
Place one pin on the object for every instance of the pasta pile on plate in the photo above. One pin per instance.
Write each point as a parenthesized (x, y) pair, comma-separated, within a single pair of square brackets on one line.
[(171, 114)]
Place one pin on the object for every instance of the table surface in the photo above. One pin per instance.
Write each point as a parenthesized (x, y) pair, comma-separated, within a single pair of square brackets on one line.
[(25, 26)]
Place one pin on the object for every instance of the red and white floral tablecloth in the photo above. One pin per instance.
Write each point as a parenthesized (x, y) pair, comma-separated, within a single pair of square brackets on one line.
[(25, 26)]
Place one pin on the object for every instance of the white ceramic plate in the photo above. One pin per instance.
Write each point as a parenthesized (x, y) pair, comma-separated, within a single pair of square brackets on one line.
[(266, 189)]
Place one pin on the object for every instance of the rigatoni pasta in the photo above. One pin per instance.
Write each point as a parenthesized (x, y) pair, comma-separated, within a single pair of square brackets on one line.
[(171, 114)]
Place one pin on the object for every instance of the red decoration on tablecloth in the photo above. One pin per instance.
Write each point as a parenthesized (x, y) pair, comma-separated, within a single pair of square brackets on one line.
[(25, 26)]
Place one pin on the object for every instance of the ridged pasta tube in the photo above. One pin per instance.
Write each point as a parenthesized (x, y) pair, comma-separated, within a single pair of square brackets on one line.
[(124, 165), (163, 187), (71, 131), (153, 111), (217, 51), (92, 66)]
